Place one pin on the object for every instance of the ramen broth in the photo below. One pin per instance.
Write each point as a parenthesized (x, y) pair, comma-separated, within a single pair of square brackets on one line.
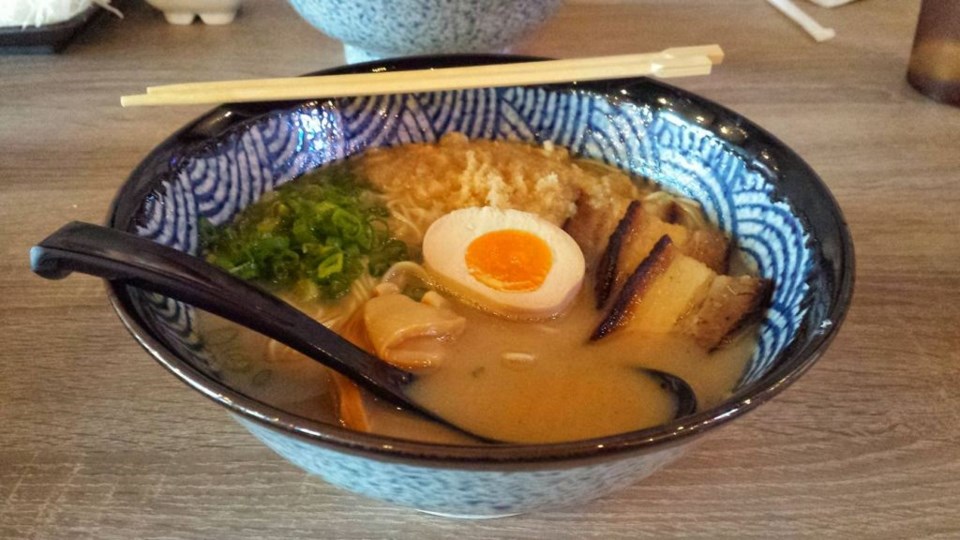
[(503, 376), (524, 381), (543, 382)]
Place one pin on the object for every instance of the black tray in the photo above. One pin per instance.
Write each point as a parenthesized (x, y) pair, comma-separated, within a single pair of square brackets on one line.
[(47, 39)]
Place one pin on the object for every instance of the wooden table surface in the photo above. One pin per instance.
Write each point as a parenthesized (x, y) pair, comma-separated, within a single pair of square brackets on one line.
[(98, 441)]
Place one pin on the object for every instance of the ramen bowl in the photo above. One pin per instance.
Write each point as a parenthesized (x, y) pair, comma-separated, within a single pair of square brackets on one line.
[(373, 29), (749, 183)]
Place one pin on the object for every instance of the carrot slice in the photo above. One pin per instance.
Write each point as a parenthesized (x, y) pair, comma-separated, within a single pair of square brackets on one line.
[(350, 405)]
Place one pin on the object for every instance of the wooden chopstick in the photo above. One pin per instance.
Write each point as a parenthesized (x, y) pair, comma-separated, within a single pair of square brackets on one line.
[(713, 52), (674, 62)]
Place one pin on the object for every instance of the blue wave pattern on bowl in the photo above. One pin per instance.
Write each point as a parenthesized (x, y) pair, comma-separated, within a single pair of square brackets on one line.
[(656, 143), (218, 180), (474, 494)]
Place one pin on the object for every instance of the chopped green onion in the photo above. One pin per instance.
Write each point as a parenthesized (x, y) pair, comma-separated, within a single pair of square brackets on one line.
[(315, 235)]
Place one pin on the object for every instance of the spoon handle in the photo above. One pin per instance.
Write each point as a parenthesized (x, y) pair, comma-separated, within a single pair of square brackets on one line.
[(116, 255)]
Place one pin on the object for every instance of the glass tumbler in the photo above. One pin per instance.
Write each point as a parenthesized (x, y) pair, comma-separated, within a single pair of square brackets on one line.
[(935, 60)]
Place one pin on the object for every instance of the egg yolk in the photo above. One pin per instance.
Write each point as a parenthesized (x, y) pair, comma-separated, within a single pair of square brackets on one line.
[(509, 260)]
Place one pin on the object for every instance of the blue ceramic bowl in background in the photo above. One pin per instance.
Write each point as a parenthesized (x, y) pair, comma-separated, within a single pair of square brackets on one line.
[(749, 183), (374, 29)]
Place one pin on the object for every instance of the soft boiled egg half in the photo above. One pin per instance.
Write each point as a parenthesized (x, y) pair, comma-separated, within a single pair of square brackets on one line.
[(511, 263)]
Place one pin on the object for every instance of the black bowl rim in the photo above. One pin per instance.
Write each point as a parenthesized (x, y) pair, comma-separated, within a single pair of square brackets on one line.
[(791, 363)]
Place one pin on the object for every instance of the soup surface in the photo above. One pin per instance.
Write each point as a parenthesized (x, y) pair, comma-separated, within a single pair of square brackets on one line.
[(509, 345)]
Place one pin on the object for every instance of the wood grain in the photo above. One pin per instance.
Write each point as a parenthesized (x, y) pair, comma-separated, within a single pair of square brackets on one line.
[(97, 441)]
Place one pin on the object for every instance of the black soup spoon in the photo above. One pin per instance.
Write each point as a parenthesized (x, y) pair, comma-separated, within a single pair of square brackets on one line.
[(119, 256)]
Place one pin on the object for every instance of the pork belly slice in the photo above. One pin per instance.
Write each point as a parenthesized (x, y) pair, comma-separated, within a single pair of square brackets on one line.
[(730, 303), (665, 286), (711, 247), (630, 243), (634, 237), (666, 209), (593, 223)]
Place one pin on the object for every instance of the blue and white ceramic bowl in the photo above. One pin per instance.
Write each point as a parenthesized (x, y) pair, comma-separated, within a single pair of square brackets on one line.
[(750, 184), (374, 29)]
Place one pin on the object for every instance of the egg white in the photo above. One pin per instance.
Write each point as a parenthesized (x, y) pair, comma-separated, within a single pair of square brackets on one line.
[(444, 251)]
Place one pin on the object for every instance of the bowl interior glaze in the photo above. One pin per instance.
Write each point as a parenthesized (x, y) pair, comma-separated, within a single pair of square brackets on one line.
[(749, 183)]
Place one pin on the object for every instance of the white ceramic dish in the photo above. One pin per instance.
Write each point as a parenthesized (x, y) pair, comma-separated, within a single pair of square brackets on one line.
[(183, 12)]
